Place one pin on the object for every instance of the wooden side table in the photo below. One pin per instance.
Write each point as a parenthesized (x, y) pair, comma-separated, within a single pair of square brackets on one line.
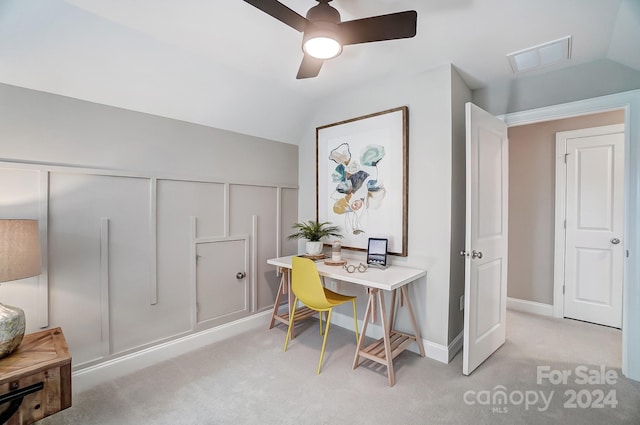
[(35, 380)]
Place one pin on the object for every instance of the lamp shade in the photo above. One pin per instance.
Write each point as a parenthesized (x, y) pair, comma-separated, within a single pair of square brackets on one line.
[(19, 249), (19, 259)]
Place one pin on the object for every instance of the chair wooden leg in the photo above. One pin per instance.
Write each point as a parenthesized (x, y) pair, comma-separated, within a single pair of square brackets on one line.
[(293, 313), (324, 340), (355, 320)]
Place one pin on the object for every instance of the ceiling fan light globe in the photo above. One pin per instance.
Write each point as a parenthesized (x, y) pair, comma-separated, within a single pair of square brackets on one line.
[(322, 47)]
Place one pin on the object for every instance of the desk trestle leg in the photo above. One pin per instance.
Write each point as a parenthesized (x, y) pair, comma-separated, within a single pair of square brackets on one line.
[(392, 343), (302, 313), (276, 306), (416, 329)]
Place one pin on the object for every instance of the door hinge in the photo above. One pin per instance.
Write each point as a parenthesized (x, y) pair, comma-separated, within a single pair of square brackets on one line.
[(565, 224), (563, 289), (565, 157)]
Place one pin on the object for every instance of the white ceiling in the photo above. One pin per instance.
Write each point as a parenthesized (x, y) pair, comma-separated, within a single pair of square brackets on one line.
[(226, 64)]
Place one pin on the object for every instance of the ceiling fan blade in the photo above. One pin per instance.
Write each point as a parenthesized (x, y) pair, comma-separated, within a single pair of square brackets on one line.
[(379, 28), (310, 67), (281, 13)]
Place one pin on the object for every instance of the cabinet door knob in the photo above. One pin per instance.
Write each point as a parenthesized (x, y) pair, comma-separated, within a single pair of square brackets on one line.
[(476, 254), (240, 275), (615, 241)]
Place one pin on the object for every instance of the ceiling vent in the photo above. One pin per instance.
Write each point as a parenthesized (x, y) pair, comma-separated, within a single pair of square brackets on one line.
[(545, 54)]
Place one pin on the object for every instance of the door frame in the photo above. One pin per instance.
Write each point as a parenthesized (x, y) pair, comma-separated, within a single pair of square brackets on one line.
[(630, 103), (561, 213)]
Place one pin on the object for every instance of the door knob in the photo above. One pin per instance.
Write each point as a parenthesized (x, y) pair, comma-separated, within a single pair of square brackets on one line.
[(240, 275), (615, 241), (464, 253), (476, 254)]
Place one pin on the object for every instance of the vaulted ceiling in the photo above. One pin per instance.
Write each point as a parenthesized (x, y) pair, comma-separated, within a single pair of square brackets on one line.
[(226, 64)]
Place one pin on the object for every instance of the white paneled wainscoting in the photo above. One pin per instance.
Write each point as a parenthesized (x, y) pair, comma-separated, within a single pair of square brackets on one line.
[(135, 263)]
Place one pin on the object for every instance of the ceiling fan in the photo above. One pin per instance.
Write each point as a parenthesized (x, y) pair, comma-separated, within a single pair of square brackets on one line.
[(324, 34)]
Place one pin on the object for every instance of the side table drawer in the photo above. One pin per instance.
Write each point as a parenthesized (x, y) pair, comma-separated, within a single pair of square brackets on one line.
[(55, 396), (39, 371)]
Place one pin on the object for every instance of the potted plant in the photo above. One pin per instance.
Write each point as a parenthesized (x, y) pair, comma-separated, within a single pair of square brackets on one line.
[(313, 232)]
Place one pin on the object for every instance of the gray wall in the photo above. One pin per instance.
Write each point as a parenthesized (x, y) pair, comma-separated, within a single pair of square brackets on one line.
[(532, 151), (41, 127), (429, 99), (124, 199)]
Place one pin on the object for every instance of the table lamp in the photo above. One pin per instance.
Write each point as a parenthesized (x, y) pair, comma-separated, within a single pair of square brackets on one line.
[(19, 259)]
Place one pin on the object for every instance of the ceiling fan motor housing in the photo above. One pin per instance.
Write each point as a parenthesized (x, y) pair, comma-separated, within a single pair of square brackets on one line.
[(322, 12)]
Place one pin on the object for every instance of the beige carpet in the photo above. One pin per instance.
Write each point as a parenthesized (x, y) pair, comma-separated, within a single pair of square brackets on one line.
[(249, 380)]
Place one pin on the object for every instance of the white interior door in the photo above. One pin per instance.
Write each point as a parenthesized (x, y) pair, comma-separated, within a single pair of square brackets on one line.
[(594, 252), (486, 237)]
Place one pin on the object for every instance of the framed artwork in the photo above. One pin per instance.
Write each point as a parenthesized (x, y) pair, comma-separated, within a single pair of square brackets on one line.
[(361, 178)]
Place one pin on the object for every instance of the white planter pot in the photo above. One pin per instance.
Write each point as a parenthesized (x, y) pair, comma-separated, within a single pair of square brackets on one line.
[(313, 248)]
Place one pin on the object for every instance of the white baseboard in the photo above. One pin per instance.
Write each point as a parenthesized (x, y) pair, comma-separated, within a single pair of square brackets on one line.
[(530, 307), (91, 376), (443, 353)]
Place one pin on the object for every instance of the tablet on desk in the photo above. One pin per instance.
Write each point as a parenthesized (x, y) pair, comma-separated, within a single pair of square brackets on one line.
[(377, 252)]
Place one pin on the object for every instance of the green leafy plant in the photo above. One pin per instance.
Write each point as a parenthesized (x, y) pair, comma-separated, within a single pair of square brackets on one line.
[(313, 231)]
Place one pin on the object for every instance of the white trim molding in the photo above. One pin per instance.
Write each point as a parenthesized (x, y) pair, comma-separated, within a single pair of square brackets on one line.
[(532, 307), (443, 353), (91, 376)]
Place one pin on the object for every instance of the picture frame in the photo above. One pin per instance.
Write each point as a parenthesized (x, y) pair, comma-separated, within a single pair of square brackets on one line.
[(362, 178)]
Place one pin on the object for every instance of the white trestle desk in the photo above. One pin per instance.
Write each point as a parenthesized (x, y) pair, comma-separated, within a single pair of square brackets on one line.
[(393, 279)]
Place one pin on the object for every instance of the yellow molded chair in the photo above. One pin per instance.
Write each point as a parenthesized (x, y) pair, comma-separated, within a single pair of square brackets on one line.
[(307, 288)]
